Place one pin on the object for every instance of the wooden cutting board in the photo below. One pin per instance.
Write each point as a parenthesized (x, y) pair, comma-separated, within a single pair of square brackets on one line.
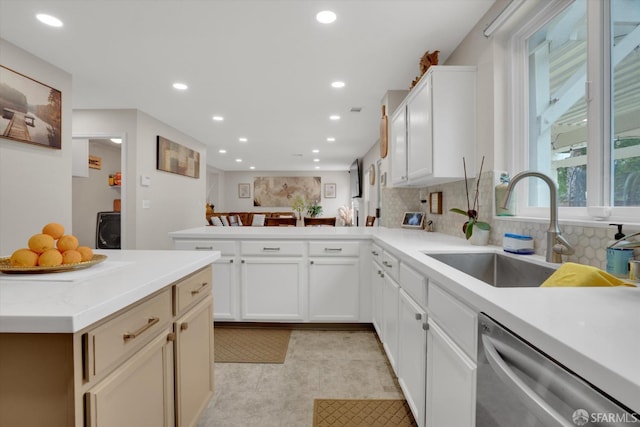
[(384, 133)]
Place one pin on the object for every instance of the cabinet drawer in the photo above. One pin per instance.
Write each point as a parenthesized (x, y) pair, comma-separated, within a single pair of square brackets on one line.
[(334, 248), (274, 247), (192, 289), (225, 247), (376, 253), (391, 265), (119, 337), (457, 320), (415, 284)]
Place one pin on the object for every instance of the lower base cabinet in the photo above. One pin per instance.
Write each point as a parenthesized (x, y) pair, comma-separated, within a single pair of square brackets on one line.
[(390, 330), (334, 291), (412, 354), (194, 377), (451, 382), (140, 393), (225, 303)]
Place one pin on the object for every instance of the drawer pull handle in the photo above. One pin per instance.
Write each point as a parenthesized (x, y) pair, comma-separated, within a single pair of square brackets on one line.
[(387, 264), (270, 249), (204, 248), (184, 326), (197, 291), (333, 249), (150, 322)]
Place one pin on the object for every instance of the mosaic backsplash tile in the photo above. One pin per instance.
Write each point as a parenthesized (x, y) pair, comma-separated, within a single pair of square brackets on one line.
[(590, 242)]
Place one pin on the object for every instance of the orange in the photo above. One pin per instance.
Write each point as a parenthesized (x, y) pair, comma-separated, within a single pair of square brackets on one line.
[(50, 258), (54, 230), (41, 242), (67, 242), (71, 257), (24, 258), (86, 252)]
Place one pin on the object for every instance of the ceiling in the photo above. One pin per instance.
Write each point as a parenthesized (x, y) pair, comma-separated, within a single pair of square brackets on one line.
[(266, 66)]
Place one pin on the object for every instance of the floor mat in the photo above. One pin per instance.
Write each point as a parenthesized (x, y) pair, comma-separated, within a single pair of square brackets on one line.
[(362, 413), (247, 345)]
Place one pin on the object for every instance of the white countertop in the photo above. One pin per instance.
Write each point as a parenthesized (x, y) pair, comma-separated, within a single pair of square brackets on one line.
[(68, 302), (593, 331)]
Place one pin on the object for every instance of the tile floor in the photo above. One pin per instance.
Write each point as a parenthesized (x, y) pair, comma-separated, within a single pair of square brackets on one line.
[(319, 364)]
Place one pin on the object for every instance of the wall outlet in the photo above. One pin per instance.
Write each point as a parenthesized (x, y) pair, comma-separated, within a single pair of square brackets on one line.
[(146, 204)]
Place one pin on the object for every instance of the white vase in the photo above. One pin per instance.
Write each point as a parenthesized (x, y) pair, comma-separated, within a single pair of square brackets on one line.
[(479, 237)]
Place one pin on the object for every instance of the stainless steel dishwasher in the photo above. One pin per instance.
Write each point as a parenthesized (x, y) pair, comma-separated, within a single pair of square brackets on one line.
[(518, 385)]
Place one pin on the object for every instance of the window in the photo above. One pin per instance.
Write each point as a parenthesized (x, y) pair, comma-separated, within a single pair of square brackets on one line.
[(580, 76)]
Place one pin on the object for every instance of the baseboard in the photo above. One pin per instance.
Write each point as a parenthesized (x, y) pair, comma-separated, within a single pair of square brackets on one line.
[(293, 326)]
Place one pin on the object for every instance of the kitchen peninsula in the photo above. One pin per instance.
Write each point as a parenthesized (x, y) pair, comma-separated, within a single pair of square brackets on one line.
[(114, 344), (385, 277)]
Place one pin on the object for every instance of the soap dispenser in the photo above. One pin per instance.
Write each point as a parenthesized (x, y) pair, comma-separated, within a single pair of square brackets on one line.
[(618, 258)]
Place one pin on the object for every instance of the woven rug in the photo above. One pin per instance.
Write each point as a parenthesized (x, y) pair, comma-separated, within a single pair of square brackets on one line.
[(362, 413), (247, 345)]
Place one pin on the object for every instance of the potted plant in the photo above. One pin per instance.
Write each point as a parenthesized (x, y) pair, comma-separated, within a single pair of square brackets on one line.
[(314, 210), (298, 205), (482, 236)]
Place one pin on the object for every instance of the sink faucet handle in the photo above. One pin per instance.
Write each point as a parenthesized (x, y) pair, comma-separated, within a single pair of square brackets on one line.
[(563, 246)]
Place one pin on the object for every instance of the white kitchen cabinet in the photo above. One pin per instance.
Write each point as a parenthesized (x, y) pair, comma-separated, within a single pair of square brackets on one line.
[(225, 301), (412, 354), (398, 144), (391, 293), (272, 288), (451, 382), (377, 289), (439, 116), (334, 289)]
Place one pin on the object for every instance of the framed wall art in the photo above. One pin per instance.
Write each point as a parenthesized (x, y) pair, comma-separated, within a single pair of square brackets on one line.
[(31, 111), (244, 191), (280, 191), (329, 191), (176, 158)]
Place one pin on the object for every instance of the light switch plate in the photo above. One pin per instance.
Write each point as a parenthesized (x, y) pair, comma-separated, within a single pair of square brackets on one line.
[(146, 204), (145, 180)]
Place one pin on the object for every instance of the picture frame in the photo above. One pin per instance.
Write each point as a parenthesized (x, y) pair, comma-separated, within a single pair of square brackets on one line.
[(330, 191), (31, 111), (244, 190), (413, 220), (176, 158)]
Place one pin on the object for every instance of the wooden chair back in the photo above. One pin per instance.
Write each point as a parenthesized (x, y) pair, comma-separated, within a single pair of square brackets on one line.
[(370, 221), (328, 221), (279, 222)]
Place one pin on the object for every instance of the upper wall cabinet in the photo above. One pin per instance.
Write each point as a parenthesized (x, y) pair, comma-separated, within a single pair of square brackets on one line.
[(434, 128)]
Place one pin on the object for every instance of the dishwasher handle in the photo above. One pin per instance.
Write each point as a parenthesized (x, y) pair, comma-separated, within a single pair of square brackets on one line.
[(530, 398)]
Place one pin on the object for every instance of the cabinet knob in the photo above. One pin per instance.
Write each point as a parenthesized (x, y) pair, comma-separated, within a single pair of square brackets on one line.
[(418, 316), (242, 262), (311, 262), (425, 326), (184, 326), (171, 337), (230, 261)]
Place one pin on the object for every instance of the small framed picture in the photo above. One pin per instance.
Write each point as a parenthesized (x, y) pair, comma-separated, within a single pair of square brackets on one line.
[(244, 191), (413, 219), (329, 191)]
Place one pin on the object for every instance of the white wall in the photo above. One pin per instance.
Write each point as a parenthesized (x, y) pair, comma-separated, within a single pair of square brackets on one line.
[(35, 182), (176, 202), (232, 203)]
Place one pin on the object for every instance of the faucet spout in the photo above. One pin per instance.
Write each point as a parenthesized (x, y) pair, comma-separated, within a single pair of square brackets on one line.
[(557, 245)]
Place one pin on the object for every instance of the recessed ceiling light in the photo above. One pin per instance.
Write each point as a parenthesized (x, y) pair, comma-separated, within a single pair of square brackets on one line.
[(326, 17), (316, 160), (52, 21), (180, 86), (317, 167), (222, 151), (315, 151), (334, 117), (116, 140), (242, 139), (337, 84), (218, 118), (252, 167), (238, 160), (331, 139)]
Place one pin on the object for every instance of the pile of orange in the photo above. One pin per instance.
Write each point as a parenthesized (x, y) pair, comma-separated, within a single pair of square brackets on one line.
[(51, 248)]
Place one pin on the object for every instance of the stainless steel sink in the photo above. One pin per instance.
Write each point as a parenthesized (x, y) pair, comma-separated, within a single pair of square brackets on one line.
[(497, 269)]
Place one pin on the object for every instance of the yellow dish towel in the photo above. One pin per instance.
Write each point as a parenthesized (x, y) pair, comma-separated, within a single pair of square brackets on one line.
[(572, 274)]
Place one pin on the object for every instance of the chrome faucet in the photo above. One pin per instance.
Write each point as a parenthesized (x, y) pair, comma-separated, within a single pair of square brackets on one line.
[(557, 245)]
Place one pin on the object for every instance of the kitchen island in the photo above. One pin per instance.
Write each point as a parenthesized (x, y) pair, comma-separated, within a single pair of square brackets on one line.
[(591, 331), (113, 344)]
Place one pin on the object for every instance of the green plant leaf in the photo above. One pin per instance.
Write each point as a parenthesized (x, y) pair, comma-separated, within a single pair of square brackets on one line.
[(470, 225), (483, 225), (459, 211)]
